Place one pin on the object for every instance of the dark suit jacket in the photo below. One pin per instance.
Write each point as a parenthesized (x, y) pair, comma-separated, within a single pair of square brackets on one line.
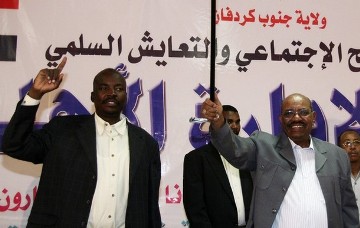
[(208, 198), (67, 148), (274, 161)]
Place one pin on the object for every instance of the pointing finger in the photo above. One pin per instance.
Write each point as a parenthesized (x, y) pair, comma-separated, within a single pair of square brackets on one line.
[(61, 66)]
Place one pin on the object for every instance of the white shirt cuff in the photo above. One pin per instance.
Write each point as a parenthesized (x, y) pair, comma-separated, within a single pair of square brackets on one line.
[(28, 101)]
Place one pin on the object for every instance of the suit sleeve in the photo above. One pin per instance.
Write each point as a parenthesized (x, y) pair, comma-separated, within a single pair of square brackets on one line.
[(19, 139), (193, 192), (238, 151), (349, 206)]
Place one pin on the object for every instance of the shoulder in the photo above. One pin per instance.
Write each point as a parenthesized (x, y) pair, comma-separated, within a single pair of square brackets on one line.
[(262, 134), (70, 124), (265, 138), (200, 151), (71, 119), (139, 132), (137, 129), (324, 144), (329, 148)]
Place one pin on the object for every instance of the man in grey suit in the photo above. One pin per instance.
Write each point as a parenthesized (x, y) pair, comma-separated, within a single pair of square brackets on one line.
[(300, 181), (216, 194), (98, 170)]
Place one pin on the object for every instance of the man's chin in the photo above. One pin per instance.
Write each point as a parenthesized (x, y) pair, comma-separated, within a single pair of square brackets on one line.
[(296, 136), (111, 105), (112, 111)]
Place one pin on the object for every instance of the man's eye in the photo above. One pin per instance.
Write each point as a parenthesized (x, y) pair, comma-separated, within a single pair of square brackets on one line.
[(103, 88), (291, 113), (288, 113), (304, 112), (119, 89)]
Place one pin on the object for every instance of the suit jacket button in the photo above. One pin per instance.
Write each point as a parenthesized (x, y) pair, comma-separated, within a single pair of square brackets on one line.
[(293, 168), (273, 210), (284, 189), (87, 201)]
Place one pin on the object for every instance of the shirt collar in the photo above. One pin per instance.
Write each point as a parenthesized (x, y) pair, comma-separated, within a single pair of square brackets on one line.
[(119, 127), (294, 145)]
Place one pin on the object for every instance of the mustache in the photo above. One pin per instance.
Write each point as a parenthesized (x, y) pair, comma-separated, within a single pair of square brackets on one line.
[(297, 123), (110, 99)]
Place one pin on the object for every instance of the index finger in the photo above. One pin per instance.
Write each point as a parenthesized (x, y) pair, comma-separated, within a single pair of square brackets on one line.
[(211, 103), (61, 66), (216, 100)]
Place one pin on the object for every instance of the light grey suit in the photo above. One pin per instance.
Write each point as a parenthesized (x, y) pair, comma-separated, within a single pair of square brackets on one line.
[(273, 160)]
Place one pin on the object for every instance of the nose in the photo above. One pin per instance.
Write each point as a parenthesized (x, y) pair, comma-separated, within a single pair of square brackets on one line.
[(111, 91), (297, 116), (297, 113)]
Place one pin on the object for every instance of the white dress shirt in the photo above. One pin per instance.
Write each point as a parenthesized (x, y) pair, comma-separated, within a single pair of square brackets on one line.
[(355, 181), (235, 183), (304, 203), (108, 208)]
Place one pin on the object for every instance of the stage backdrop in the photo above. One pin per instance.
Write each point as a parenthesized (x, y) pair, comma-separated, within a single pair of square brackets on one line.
[(265, 50)]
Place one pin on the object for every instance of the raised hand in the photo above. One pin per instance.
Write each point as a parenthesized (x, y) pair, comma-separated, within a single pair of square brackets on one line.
[(47, 80), (213, 112)]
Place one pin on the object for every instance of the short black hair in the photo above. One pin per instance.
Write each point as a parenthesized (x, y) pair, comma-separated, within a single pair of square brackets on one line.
[(299, 95), (346, 131), (229, 108), (106, 71)]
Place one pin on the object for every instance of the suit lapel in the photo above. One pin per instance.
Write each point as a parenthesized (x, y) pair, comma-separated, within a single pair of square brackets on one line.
[(247, 189), (285, 149), (136, 146), (216, 164), (320, 157), (86, 134)]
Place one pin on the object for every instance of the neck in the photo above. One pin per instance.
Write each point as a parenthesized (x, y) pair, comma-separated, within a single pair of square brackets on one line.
[(355, 168), (302, 143), (111, 119)]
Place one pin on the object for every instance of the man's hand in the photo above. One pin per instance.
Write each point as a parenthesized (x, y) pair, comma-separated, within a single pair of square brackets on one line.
[(47, 80), (213, 112)]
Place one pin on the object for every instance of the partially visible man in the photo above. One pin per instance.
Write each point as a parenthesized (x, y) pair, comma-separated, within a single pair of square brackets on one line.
[(300, 181), (349, 140), (216, 194), (98, 170)]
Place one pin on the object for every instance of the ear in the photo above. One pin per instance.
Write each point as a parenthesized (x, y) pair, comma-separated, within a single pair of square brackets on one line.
[(280, 119), (92, 96), (314, 115)]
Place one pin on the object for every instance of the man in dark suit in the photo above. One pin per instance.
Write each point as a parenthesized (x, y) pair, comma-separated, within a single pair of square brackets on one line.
[(98, 170), (300, 181), (349, 140), (216, 195)]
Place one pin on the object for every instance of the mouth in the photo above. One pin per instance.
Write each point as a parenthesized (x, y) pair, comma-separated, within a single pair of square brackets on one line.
[(110, 101), (296, 126), (354, 154)]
